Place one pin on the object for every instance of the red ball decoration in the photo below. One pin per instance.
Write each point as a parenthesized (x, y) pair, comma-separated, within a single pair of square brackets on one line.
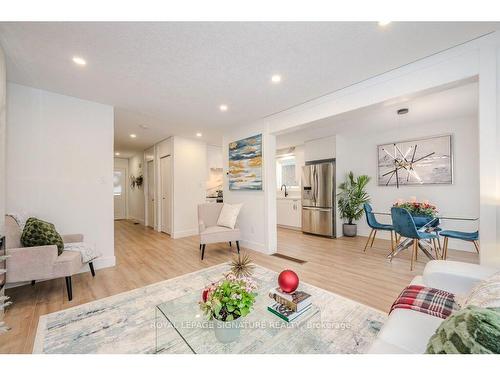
[(288, 281)]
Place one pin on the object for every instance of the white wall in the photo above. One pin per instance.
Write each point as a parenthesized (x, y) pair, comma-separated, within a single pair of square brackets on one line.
[(359, 154), (136, 200), (3, 92), (190, 176), (3, 89), (320, 149), (60, 163), (489, 150)]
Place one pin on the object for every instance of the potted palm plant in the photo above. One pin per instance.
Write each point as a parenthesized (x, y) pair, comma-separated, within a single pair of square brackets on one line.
[(351, 198)]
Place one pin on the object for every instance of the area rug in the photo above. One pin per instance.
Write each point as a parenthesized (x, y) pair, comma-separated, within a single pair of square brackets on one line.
[(124, 323)]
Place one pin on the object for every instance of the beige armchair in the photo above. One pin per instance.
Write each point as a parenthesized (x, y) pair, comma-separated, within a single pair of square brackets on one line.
[(210, 232), (40, 262)]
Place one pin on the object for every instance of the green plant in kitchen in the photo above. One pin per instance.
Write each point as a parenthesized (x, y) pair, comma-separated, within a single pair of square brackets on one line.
[(351, 198)]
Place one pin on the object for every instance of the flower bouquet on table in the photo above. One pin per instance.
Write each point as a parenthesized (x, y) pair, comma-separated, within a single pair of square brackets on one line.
[(418, 208), (226, 302), (423, 213)]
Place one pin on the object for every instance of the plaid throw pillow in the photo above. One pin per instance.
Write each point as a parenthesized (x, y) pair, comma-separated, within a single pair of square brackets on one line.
[(37, 232)]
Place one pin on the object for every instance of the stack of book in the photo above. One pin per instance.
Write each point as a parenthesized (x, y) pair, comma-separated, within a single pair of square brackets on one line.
[(289, 306)]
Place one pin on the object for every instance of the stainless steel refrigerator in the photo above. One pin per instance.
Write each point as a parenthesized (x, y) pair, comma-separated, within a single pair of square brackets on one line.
[(318, 198)]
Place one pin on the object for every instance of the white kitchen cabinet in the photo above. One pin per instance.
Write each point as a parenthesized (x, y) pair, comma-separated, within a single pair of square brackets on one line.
[(214, 157), (289, 213)]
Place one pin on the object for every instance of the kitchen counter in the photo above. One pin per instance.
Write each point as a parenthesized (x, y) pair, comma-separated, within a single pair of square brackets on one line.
[(291, 198)]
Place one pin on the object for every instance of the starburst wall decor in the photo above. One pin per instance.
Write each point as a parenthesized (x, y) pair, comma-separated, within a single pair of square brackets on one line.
[(418, 162)]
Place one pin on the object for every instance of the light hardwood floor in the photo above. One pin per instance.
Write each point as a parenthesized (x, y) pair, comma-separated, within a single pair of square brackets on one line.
[(144, 256)]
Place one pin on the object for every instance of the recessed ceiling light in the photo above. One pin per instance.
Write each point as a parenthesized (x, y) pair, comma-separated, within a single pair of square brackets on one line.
[(223, 108), (384, 23), (117, 154), (79, 61), (276, 78), (199, 134), (133, 136)]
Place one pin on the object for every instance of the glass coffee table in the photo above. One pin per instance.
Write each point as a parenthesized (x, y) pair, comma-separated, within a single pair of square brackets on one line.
[(181, 327)]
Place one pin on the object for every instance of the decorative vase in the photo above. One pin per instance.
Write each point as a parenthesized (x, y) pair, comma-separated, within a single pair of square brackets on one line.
[(350, 230), (227, 332)]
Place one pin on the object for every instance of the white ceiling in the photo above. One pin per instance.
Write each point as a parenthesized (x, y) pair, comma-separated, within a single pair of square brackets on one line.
[(172, 77), (454, 101)]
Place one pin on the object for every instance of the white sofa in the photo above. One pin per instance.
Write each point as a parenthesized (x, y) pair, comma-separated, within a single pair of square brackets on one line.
[(407, 331)]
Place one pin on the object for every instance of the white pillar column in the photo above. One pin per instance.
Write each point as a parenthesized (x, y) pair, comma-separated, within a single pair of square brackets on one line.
[(489, 154), (269, 156)]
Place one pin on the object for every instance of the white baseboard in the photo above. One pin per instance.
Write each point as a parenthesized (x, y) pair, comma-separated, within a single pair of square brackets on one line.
[(184, 233), (299, 229)]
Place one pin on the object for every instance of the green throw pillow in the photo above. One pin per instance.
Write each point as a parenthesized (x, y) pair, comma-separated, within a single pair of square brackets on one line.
[(473, 330), (37, 232)]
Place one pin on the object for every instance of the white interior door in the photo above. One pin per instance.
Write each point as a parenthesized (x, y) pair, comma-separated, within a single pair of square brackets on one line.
[(151, 194), (166, 194), (120, 192)]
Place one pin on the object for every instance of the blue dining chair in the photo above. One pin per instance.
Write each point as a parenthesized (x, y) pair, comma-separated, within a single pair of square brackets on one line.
[(404, 225), (464, 236), (375, 226)]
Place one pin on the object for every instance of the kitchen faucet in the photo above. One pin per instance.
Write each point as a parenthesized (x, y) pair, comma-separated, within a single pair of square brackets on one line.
[(286, 192)]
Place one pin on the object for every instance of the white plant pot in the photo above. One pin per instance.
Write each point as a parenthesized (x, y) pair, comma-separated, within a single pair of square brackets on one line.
[(227, 332)]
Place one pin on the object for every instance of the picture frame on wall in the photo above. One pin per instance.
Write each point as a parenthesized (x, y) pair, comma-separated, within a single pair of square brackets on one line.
[(423, 161), (245, 164)]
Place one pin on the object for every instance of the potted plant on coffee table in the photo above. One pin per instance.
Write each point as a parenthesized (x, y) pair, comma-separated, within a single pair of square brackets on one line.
[(227, 302), (351, 198)]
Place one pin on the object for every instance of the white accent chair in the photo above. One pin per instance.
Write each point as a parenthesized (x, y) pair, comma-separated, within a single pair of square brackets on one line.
[(408, 331), (210, 232)]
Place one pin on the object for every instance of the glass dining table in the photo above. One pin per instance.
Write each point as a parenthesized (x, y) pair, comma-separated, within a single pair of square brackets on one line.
[(430, 226)]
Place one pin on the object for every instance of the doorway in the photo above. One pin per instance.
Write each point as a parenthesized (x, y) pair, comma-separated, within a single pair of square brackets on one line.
[(120, 193), (166, 194), (151, 193)]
